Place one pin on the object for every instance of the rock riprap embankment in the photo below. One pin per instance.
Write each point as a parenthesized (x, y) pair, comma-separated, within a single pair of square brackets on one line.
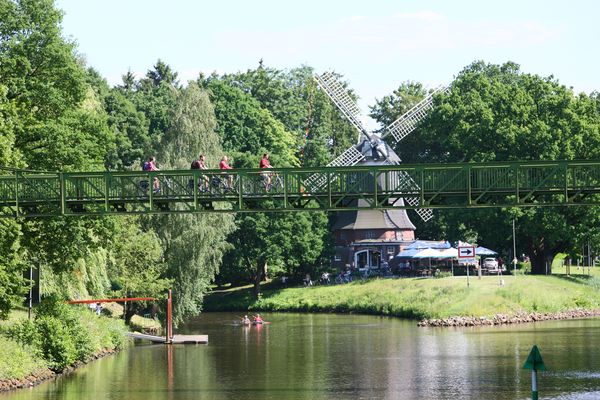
[(505, 319)]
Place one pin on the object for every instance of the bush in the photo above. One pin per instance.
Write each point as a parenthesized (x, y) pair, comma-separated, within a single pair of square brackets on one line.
[(58, 346), (63, 334), (18, 361), (25, 332)]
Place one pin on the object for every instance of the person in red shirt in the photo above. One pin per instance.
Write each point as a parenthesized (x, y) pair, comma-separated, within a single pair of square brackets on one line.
[(224, 165), (266, 176), (150, 165)]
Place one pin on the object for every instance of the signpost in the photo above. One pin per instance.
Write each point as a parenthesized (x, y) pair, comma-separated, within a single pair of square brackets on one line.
[(534, 363), (466, 253)]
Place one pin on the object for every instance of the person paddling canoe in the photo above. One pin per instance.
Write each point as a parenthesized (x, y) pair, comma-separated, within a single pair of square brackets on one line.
[(245, 320), (257, 320)]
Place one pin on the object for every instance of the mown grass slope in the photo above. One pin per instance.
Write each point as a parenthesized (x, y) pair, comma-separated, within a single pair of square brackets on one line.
[(424, 298)]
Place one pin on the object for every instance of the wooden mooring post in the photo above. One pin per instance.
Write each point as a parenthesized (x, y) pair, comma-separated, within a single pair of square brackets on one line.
[(169, 333)]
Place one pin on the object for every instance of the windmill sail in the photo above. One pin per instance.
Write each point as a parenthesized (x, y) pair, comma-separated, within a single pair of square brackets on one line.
[(338, 94), (396, 131), (348, 158), (407, 123)]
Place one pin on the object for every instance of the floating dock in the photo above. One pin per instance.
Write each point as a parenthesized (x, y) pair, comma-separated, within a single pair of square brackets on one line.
[(176, 339)]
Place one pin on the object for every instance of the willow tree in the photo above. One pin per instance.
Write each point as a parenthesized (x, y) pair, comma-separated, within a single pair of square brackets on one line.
[(193, 245)]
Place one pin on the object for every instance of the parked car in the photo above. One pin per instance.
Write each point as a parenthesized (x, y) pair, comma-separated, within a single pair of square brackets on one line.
[(490, 264)]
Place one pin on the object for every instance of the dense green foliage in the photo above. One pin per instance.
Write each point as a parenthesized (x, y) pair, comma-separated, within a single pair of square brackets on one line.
[(58, 114), (18, 361), (498, 113), (62, 335)]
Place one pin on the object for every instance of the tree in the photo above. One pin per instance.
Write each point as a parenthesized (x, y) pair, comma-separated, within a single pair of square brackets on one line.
[(319, 130), (137, 268), (193, 244), (270, 244), (130, 127), (12, 265), (498, 113), (38, 68), (154, 96), (391, 107), (245, 127)]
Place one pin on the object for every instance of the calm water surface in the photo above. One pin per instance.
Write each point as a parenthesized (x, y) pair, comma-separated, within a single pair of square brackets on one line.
[(304, 356)]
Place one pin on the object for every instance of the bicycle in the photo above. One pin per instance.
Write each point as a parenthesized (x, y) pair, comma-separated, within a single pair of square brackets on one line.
[(221, 183), (275, 181)]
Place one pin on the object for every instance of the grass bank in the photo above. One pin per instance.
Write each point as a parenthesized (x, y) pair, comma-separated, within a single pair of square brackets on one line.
[(420, 298), (59, 338)]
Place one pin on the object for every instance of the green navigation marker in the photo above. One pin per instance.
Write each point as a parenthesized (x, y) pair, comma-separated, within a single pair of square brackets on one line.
[(534, 363)]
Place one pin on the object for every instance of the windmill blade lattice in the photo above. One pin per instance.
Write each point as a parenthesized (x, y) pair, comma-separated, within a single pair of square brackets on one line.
[(398, 130), (407, 123), (425, 213), (338, 94), (348, 158), (405, 183)]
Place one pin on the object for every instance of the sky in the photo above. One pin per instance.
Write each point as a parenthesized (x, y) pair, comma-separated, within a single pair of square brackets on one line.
[(375, 44)]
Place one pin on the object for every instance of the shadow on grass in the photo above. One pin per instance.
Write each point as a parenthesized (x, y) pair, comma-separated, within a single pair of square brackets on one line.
[(241, 299), (575, 278)]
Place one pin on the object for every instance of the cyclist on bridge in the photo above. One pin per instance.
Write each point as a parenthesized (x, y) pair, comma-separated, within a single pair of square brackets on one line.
[(224, 166), (267, 176), (150, 165), (200, 163)]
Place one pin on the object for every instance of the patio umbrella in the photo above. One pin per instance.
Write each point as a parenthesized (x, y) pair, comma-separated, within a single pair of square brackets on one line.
[(449, 253), (407, 253), (483, 251), (428, 244), (428, 253)]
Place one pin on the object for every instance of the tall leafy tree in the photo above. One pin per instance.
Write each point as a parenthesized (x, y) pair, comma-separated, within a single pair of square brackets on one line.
[(498, 113), (39, 69), (155, 96), (246, 127), (137, 268), (12, 263), (193, 244)]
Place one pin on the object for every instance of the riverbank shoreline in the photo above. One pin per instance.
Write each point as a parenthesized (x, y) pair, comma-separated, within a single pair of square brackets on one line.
[(431, 302), (59, 340), (46, 374), (503, 319)]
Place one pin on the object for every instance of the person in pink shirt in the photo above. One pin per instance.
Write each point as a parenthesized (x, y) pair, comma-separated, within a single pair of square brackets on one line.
[(224, 165), (266, 176), (150, 165)]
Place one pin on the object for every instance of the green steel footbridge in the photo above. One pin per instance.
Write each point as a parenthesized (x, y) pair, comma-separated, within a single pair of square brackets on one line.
[(433, 186)]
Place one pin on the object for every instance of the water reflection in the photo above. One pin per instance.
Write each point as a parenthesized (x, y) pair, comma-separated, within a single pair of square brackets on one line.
[(303, 356)]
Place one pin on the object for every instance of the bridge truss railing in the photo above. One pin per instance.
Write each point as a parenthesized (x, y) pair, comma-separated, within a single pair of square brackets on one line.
[(473, 185)]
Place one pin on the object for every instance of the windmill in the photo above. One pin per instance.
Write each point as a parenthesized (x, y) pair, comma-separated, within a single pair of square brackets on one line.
[(373, 147)]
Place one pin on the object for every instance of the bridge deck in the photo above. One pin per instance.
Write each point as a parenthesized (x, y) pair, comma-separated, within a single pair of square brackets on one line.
[(520, 184)]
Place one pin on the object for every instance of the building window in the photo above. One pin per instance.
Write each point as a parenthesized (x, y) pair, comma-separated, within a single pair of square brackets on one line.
[(337, 258), (391, 250), (370, 235)]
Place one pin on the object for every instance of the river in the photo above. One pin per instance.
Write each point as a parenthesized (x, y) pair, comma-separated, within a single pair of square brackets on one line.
[(322, 356)]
